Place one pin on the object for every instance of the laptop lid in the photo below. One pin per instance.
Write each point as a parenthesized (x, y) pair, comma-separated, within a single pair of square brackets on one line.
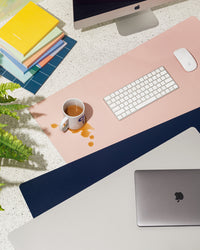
[(168, 197), (103, 216)]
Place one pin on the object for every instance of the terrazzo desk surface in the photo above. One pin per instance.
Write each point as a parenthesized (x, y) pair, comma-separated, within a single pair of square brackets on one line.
[(94, 48)]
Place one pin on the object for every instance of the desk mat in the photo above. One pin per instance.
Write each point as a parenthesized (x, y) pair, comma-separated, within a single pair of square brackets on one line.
[(103, 128), (37, 80), (52, 188)]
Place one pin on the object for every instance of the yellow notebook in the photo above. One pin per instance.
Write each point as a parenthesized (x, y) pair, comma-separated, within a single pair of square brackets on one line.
[(29, 26)]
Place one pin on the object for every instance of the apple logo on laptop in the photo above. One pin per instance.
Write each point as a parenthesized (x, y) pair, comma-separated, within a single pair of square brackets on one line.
[(179, 196)]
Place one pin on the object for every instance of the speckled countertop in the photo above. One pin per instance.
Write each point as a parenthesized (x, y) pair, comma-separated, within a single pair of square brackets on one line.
[(94, 48)]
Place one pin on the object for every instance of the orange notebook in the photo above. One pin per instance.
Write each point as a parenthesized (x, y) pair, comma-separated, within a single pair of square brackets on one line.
[(38, 54), (29, 26)]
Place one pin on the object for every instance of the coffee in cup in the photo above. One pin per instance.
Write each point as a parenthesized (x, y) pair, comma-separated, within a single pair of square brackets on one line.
[(74, 112)]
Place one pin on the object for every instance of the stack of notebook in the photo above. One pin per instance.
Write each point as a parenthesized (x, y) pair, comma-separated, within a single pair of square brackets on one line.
[(29, 41)]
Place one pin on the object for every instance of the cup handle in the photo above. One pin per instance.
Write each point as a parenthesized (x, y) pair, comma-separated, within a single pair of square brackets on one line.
[(64, 125)]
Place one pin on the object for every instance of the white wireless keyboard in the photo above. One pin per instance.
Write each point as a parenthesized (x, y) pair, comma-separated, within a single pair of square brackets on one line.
[(143, 91)]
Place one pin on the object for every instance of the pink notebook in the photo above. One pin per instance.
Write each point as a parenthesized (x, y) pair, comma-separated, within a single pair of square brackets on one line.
[(112, 76)]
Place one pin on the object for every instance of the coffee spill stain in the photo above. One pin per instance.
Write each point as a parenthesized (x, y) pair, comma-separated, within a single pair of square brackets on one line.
[(54, 125), (84, 130), (91, 143)]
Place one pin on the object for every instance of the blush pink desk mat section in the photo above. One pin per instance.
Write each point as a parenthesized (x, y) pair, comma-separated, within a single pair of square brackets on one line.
[(94, 87)]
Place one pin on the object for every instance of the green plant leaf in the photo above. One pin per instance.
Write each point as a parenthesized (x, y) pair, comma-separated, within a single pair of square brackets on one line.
[(1, 209), (13, 148), (3, 125), (13, 107), (8, 86), (6, 111), (7, 98)]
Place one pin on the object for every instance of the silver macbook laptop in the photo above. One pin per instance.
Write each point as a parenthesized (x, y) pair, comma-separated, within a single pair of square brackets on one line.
[(103, 216), (168, 197)]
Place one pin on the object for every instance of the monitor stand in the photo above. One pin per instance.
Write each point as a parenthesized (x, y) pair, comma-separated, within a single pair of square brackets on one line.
[(136, 22)]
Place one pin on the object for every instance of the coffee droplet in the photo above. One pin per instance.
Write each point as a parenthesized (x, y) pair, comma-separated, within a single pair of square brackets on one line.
[(54, 125), (92, 137), (91, 143)]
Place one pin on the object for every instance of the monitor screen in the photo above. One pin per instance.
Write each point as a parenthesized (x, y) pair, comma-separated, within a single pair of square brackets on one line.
[(91, 12), (88, 8)]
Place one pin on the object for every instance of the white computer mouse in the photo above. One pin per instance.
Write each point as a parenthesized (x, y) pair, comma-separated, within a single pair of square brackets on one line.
[(185, 59)]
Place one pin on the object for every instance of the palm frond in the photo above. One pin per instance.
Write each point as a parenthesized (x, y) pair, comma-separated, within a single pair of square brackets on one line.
[(6, 111), (10, 146), (13, 148), (3, 126), (8, 86), (7, 98), (14, 107)]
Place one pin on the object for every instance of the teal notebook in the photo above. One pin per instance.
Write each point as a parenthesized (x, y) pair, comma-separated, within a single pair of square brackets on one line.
[(14, 70)]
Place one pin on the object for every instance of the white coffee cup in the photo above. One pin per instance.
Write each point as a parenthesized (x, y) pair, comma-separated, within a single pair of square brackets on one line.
[(72, 120)]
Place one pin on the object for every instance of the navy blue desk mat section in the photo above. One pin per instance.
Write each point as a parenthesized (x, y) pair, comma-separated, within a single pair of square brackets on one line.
[(37, 80), (52, 188)]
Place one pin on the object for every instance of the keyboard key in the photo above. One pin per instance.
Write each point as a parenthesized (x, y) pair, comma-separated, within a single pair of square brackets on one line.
[(107, 98), (133, 110), (169, 84), (141, 105), (116, 109), (119, 112), (113, 105), (126, 108)]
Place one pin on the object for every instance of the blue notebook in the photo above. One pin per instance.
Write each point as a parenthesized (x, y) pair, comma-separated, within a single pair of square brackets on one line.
[(52, 188), (12, 59), (37, 80), (52, 49)]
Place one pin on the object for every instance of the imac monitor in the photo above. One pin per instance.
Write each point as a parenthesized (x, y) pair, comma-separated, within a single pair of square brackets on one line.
[(91, 12)]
